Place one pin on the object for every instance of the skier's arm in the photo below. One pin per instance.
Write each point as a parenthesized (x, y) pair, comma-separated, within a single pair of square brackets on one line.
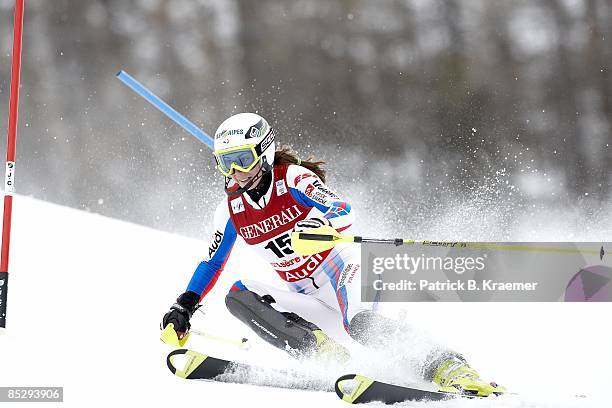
[(219, 249), (308, 189), (206, 274)]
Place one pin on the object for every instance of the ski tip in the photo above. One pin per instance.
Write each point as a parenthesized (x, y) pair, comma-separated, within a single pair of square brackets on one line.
[(352, 392), (169, 359), (192, 361), (339, 381)]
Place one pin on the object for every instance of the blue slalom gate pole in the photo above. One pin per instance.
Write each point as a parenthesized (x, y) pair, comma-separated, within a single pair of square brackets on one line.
[(154, 100)]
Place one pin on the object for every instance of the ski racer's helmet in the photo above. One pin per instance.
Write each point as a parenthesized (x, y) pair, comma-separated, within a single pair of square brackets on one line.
[(242, 141)]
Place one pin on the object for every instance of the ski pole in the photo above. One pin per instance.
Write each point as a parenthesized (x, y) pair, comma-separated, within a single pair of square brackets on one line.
[(243, 343), (166, 109), (171, 338), (325, 237)]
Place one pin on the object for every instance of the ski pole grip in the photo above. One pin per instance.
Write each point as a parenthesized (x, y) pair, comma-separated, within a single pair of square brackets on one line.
[(316, 237)]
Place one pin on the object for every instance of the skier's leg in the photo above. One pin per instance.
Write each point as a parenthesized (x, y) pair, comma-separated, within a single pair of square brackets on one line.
[(360, 319), (381, 332), (339, 281), (251, 303), (433, 362)]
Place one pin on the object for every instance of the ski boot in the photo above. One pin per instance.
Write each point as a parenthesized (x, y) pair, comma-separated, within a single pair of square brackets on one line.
[(456, 376), (327, 349)]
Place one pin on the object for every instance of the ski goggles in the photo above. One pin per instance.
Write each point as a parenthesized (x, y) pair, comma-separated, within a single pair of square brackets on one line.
[(242, 158)]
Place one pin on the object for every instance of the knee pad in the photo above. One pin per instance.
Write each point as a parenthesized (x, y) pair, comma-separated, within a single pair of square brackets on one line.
[(283, 330), (370, 328)]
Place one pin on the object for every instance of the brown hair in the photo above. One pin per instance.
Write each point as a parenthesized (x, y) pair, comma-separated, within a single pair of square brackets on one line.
[(286, 155)]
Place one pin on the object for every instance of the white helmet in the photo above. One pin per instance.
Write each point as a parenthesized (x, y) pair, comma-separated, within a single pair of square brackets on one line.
[(242, 141)]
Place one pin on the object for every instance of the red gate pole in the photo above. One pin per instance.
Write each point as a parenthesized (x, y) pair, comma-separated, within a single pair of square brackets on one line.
[(9, 186)]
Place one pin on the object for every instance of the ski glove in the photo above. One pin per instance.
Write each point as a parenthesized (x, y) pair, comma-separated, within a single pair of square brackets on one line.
[(181, 312), (310, 223)]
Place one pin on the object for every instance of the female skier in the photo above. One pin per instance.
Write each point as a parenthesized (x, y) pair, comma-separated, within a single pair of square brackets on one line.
[(271, 193)]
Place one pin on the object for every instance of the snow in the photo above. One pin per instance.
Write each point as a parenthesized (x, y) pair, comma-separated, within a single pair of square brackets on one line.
[(87, 294)]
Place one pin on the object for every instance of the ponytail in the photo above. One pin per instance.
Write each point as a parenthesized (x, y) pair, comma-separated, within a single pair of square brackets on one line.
[(286, 155)]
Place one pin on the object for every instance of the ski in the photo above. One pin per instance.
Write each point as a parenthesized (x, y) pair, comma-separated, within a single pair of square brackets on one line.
[(198, 366), (352, 388), (358, 389)]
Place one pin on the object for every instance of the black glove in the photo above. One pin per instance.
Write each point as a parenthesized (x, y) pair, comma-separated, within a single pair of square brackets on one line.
[(310, 223), (181, 312)]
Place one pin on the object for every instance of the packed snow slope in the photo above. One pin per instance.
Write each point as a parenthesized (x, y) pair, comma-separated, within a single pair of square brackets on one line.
[(87, 294)]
